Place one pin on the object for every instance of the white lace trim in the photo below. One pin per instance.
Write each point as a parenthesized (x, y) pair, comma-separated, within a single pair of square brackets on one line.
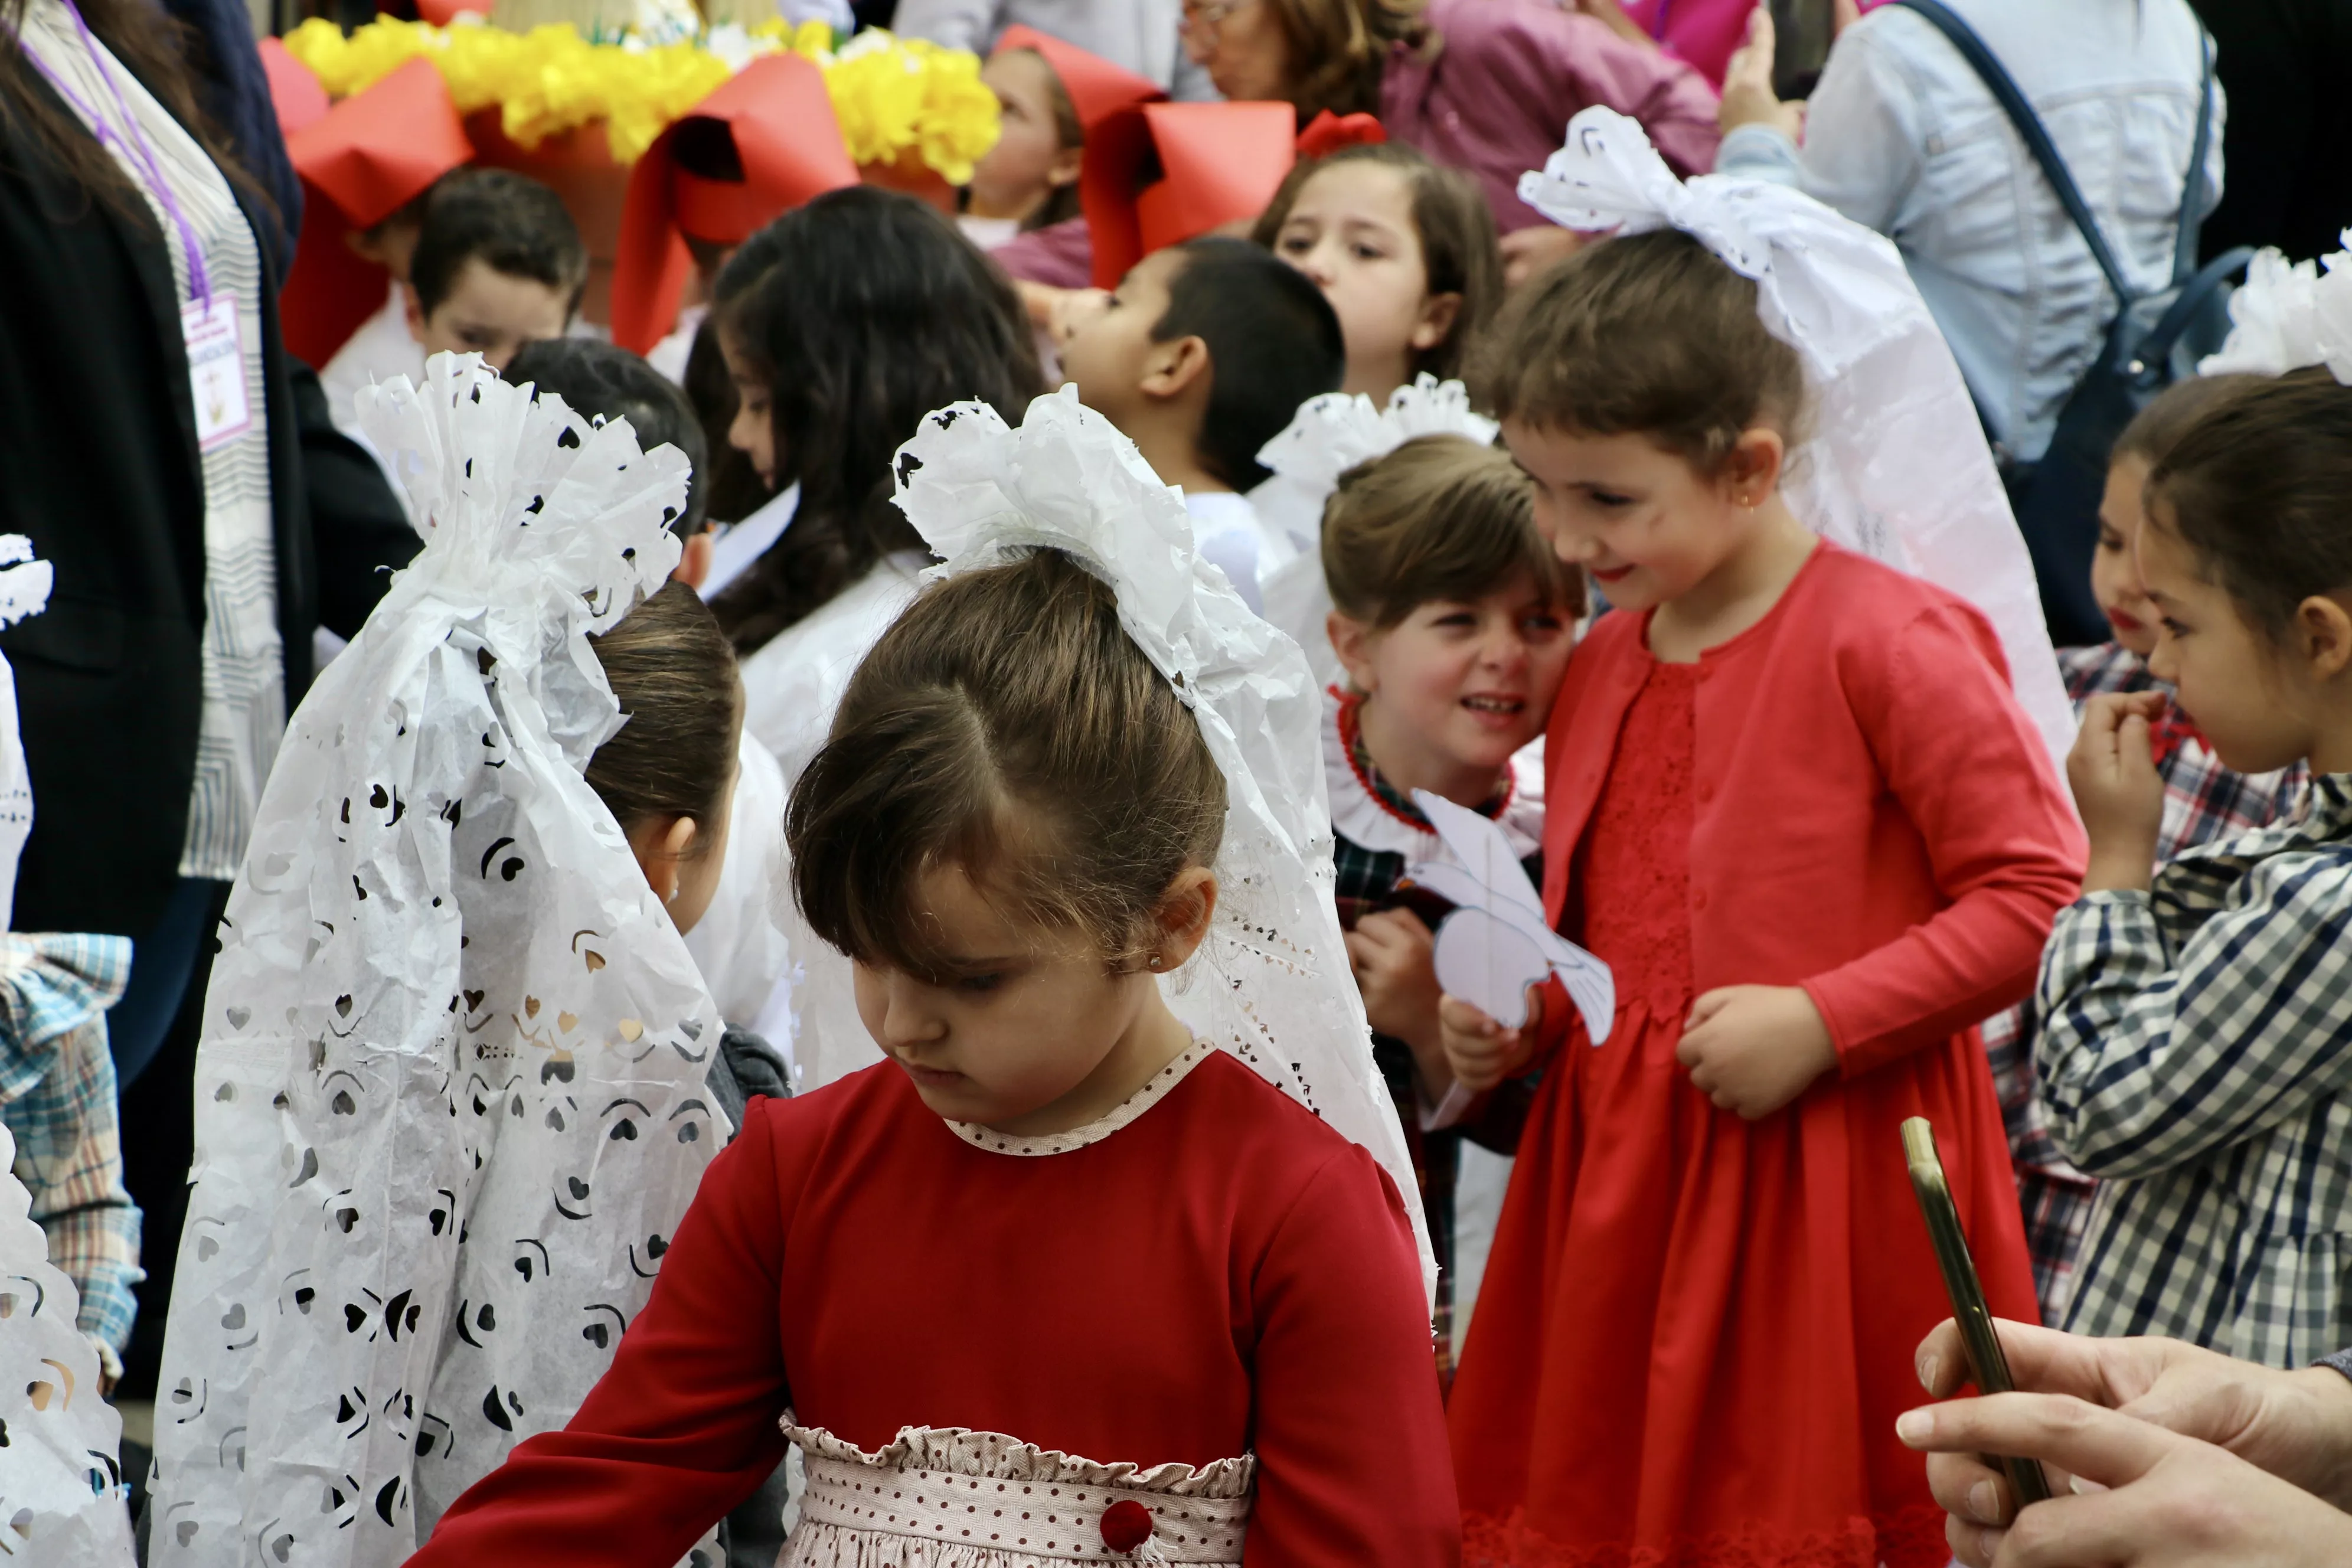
[(1362, 818), (952, 1498), (1094, 1131)]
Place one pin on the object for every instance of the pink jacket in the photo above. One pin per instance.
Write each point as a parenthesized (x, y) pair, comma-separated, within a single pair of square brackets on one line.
[(1495, 98)]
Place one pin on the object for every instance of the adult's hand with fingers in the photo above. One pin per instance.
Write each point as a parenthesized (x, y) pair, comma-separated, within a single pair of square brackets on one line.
[(1479, 1052), (1748, 97), (1751, 1050), (2117, 788), (1528, 251), (2296, 1424), (2156, 1498)]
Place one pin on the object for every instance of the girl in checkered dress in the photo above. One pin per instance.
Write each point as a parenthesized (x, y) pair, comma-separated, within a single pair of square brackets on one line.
[(2205, 799), (2194, 1013), (1453, 621)]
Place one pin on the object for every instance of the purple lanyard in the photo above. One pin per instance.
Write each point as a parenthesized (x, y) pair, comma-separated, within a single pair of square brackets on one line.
[(136, 150)]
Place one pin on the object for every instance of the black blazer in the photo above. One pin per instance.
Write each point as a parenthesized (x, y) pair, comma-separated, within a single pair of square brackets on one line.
[(100, 467)]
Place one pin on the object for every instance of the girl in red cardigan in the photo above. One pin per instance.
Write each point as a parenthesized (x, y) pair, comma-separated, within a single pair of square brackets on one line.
[(1794, 804)]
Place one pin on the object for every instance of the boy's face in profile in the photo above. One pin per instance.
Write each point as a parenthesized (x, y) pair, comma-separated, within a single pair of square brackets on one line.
[(491, 313), (1109, 352)]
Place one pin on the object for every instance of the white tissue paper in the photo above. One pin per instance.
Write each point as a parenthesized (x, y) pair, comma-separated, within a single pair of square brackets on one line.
[(1328, 436), (25, 585), (2288, 315), (62, 1498), (451, 1098)]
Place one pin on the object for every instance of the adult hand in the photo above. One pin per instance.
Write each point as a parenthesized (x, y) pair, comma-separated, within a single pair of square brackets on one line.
[(2117, 789), (1393, 956), (1753, 1049), (2145, 1497), (1479, 1052), (1747, 95), (1528, 251), (2296, 1424)]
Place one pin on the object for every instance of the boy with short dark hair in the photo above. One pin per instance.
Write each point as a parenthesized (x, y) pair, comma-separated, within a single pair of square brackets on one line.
[(1201, 357), (499, 263), (486, 261)]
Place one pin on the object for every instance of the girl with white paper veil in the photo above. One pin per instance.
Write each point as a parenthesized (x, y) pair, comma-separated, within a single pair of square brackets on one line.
[(1087, 1270), (451, 1098), (1794, 804)]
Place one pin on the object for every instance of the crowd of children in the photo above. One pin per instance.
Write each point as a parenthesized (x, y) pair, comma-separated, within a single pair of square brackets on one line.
[(850, 904)]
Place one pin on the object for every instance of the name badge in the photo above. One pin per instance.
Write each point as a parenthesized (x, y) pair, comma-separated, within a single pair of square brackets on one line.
[(216, 371)]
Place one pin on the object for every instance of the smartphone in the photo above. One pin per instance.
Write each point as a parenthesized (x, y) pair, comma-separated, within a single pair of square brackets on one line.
[(1986, 1361), (1802, 32)]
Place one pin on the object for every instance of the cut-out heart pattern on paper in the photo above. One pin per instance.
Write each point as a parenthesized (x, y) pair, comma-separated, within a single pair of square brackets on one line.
[(61, 1498), (410, 1190)]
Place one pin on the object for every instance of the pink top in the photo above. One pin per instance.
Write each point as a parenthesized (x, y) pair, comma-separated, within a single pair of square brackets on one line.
[(1704, 32), (1497, 99)]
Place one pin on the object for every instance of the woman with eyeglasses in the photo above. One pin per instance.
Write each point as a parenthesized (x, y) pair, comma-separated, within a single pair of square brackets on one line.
[(1483, 85)]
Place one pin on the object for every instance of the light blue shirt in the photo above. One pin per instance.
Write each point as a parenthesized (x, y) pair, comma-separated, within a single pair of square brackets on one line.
[(1902, 136)]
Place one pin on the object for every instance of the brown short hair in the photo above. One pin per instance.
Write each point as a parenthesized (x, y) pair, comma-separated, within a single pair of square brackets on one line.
[(1459, 249), (1006, 725), (1650, 334), (673, 672), (2156, 429), (1440, 518), (1344, 45), (2260, 490)]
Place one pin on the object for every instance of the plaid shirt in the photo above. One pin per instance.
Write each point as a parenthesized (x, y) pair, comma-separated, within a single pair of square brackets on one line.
[(57, 1097), (2195, 1050), (2204, 801), (1366, 880)]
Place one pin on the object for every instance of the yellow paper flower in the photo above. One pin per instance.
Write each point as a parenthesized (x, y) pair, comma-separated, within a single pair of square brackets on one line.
[(892, 96)]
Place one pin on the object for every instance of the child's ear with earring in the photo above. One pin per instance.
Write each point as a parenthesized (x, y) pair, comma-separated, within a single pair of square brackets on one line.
[(1182, 918)]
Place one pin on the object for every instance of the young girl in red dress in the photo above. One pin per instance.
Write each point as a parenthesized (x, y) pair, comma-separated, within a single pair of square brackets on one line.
[(1794, 804), (1069, 1276)]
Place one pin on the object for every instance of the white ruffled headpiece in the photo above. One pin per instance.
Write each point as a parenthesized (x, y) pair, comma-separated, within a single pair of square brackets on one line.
[(2289, 315), (1897, 468), (1330, 435), (1284, 1000), (25, 585), (451, 1098)]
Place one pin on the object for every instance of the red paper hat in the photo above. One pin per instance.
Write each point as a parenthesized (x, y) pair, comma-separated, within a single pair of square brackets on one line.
[(379, 150), (294, 92), (780, 120), (362, 160), (1219, 162), (1098, 88)]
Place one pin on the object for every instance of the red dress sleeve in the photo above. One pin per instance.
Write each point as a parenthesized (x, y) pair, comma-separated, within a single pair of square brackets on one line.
[(1967, 767), (682, 1428), (1345, 1387)]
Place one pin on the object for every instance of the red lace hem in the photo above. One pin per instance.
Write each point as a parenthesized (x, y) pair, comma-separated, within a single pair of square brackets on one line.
[(1911, 1538)]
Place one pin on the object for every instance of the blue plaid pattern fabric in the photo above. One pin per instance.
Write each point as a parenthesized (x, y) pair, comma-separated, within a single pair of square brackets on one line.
[(57, 1098), (2204, 801), (2194, 1054)]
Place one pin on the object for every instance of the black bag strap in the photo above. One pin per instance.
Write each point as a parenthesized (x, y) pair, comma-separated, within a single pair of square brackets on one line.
[(2036, 137)]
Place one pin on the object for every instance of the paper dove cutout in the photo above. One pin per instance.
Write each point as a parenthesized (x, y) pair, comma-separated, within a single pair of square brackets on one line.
[(1496, 942)]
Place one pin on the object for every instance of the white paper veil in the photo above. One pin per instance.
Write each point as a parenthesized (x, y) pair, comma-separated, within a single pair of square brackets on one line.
[(1328, 436), (1897, 467), (1271, 985), (450, 1094)]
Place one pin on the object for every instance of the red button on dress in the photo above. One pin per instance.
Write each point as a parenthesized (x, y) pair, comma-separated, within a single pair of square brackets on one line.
[(1126, 1525)]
